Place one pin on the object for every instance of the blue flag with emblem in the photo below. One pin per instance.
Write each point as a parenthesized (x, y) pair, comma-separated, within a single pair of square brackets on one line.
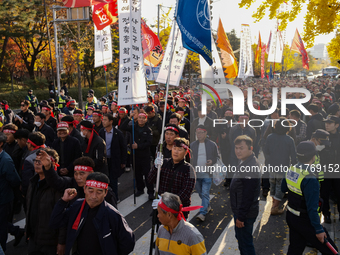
[(193, 19)]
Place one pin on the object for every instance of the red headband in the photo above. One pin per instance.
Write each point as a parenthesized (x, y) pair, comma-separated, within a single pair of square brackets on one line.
[(122, 111), (143, 114), (97, 114), (9, 131), (83, 168), (180, 112), (62, 125), (78, 114), (114, 103), (201, 129), (96, 184), (229, 112), (61, 115), (34, 145), (172, 128), (53, 160), (46, 109), (105, 106), (90, 108), (181, 209)]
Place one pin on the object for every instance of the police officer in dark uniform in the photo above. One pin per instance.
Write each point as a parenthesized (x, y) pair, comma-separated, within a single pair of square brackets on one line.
[(303, 203)]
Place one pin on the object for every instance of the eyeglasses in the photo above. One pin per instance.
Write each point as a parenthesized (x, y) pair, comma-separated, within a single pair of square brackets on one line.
[(38, 162), (22, 105)]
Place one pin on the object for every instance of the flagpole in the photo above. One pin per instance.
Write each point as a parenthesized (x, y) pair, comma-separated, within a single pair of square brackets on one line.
[(154, 215), (133, 158)]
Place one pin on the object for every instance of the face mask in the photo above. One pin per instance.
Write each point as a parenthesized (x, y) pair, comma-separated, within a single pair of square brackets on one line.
[(320, 147), (38, 124), (82, 135)]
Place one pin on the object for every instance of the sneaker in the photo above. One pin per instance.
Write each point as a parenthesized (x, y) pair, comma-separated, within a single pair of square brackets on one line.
[(265, 192), (327, 219), (276, 211), (139, 192), (208, 209), (19, 236), (127, 169), (200, 217)]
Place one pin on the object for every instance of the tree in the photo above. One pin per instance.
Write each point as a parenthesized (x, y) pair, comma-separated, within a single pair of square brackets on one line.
[(333, 49), (322, 16)]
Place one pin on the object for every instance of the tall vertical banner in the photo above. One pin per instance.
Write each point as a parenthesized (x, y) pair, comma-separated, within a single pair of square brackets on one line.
[(213, 75), (132, 83), (178, 60), (258, 49), (152, 48), (246, 62), (278, 39), (102, 46)]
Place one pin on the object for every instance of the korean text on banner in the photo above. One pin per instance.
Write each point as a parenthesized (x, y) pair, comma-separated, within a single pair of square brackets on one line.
[(102, 46), (263, 53), (246, 63), (132, 83), (152, 48), (193, 19), (178, 61)]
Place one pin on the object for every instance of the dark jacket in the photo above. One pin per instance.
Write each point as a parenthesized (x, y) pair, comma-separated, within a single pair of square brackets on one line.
[(52, 122), (211, 153), (98, 128), (9, 114), (68, 152), (47, 198), (143, 138), (76, 134), (48, 132), (182, 132), (97, 152), (114, 234), (245, 191), (280, 150), (118, 152), (9, 178), (314, 123), (155, 124), (27, 117)]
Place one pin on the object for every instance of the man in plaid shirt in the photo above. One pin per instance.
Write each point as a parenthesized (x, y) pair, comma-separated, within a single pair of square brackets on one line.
[(177, 176)]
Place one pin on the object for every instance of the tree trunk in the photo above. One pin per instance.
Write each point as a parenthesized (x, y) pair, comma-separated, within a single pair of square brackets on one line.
[(2, 56)]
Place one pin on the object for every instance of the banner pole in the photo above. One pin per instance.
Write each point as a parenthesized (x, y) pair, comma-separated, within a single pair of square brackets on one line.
[(133, 159), (154, 214)]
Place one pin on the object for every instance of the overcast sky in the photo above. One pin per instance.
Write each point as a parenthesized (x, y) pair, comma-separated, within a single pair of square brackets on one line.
[(232, 17)]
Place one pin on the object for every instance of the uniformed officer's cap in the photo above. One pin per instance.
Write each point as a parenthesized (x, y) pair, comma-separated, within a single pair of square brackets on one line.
[(333, 109), (90, 95), (323, 135), (306, 148), (332, 119)]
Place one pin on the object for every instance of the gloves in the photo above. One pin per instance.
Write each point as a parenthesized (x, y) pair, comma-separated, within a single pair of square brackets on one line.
[(159, 160), (155, 202)]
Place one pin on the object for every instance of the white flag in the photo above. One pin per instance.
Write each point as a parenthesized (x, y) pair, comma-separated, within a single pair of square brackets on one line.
[(132, 83), (178, 61), (246, 60), (102, 46), (213, 75)]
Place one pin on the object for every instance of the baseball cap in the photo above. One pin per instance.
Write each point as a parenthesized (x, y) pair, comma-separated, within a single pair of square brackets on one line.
[(306, 148), (323, 135)]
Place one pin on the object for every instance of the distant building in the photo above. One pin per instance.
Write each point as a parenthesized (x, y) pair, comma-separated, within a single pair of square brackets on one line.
[(319, 51)]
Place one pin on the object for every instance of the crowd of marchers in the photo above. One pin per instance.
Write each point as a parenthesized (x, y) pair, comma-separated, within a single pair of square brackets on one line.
[(61, 165)]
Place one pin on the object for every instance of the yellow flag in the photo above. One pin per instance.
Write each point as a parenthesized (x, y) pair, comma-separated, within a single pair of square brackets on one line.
[(258, 49), (228, 58)]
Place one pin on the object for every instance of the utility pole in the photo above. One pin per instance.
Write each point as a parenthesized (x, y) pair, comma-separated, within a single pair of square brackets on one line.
[(49, 42), (80, 96)]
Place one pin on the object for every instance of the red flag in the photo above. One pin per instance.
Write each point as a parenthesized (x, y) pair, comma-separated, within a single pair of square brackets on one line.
[(104, 14), (298, 46), (152, 48), (84, 3), (269, 41)]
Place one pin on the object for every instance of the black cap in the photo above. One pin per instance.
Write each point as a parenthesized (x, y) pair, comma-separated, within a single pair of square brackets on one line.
[(51, 100), (332, 119), (322, 135), (333, 109), (30, 90), (306, 148), (91, 91), (78, 111), (4, 102), (319, 94), (89, 95), (103, 99)]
